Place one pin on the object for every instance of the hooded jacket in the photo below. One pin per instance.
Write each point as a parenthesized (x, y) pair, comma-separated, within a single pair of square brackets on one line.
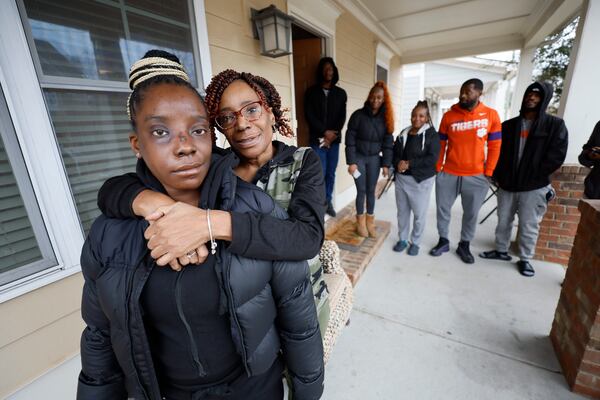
[(367, 135), (270, 304), (463, 138), (325, 112), (544, 152), (422, 165)]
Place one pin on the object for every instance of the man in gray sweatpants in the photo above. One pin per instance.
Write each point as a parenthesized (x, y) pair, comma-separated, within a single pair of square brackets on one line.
[(470, 139), (534, 145)]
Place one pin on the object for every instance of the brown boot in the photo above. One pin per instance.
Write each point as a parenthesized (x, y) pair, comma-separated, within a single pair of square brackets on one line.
[(371, 226), (361, 227)]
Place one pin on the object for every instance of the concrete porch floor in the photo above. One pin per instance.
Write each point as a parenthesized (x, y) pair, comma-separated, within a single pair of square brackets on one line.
[(430, 328), (435, 328)]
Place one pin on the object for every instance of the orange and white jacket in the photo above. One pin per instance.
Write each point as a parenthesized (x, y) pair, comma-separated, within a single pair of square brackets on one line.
[(463, 136)]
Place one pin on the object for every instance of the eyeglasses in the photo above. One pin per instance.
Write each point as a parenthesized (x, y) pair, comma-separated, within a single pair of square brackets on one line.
[(251, 112)]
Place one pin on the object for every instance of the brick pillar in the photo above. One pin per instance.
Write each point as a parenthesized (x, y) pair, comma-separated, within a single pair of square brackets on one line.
[(575, 331), (559, 225)]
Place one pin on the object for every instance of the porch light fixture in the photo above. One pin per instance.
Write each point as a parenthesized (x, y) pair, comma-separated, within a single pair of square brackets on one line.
[(274, 30)]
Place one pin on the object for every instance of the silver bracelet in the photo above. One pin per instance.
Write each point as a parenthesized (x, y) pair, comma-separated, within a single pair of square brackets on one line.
[(213, 244)]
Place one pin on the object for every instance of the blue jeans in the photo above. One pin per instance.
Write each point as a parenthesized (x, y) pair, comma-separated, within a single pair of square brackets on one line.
[(329, 161)]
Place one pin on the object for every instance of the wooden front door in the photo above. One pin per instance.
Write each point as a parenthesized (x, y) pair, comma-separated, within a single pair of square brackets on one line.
[(307, 53)]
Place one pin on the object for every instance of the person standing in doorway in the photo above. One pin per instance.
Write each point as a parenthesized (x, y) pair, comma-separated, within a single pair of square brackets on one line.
[(325, 112), (590, 157), (369, 134), (534, 145), (463, 168)]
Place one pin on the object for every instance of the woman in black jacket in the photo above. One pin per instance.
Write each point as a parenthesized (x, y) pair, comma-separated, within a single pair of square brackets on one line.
[(217, 332), (258, 236), (369, 134), (416, 152)]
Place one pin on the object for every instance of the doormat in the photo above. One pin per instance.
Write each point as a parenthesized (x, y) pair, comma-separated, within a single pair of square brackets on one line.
[(345, 233)]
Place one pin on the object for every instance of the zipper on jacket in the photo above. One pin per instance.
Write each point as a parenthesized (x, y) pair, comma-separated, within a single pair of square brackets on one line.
[(193, 345), (127, 317)]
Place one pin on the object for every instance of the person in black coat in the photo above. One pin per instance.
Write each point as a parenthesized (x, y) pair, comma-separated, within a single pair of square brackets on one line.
[(217, 332), (325, 113), (368, 135), (590, 157), (534, 145), (416, 152), (251, 235)]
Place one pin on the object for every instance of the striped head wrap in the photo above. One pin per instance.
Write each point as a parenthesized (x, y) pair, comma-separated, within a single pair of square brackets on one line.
[(149, 67)]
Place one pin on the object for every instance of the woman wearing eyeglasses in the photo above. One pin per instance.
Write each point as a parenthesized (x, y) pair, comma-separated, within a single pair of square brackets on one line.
[(247, 110)]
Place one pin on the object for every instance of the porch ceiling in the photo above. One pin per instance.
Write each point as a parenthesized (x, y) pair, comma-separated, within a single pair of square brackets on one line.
[(435, 29)]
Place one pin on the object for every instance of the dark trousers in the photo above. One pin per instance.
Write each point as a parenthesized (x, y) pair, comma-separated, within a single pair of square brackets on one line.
[(366, 182), (329, 161)]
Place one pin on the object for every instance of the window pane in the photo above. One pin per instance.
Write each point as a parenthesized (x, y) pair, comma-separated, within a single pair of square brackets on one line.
[(78, 38), (176, 10), (18, 245), (92, 40), (147, 33), (93, 133)]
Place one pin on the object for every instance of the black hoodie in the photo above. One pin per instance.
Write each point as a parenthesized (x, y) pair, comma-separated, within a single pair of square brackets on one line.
[(544, 152)]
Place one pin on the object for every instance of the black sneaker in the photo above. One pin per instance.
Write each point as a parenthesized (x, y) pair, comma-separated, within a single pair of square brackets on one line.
[(464, 253), (495, 255), (442, 247), (330, 210), (525, 268)]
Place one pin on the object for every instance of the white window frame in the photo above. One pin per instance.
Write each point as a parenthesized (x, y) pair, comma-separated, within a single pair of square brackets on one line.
[(40, 150)]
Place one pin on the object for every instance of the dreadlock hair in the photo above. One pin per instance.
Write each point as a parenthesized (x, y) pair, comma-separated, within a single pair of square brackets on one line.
[(425, 105), (263, 88), (387, 106), (157, 66)]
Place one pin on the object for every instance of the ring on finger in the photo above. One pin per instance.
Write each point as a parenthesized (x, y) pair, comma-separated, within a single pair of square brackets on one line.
[(191, 254)]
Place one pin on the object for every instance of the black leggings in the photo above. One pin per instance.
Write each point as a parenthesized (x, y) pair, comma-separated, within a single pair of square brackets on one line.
[(367, 181)]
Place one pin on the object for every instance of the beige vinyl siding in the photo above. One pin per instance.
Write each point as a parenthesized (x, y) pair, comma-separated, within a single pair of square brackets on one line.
[(39, 331), (395, 86), (355, 48), (233, 46)]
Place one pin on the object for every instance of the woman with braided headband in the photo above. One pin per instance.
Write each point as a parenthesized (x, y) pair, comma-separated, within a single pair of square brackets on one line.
[(216, 333), (247, 110)]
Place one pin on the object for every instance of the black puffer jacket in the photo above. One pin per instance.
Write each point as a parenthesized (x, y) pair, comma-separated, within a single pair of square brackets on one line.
[(544, 152), (367, 135), (270, 304)]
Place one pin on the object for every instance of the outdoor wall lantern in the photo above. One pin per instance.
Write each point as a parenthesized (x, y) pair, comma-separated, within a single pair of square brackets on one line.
[(274, 30)]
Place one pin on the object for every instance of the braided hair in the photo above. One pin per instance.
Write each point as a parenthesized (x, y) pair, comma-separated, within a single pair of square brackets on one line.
[(425, 105), (157, 66), (263, 88)]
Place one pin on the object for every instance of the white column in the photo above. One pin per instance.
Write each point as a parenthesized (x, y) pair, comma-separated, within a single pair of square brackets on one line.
[(524, 79), (579, 102)]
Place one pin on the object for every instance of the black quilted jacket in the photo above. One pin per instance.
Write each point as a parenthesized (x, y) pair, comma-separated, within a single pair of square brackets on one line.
[(270, 304)]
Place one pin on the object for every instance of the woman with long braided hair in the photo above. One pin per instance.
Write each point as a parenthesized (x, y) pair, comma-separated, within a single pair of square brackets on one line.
[(416, 151), (225, 329)]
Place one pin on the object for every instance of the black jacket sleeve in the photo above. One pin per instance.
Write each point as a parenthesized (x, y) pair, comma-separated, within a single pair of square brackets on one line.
[(387, 149), (340, 118), (297, 238), (115, 197), (311, 105), (101, 376), (301, 341), (351, 132), (593, 141), (432, 151), (397, 152), (557, 150)]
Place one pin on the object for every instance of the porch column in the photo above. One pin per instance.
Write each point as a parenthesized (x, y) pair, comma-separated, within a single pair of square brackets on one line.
[(524, 78), (579, 103)]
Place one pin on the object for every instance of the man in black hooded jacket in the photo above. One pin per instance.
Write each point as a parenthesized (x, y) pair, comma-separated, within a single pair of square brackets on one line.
[(325, 112), (534, 145)]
